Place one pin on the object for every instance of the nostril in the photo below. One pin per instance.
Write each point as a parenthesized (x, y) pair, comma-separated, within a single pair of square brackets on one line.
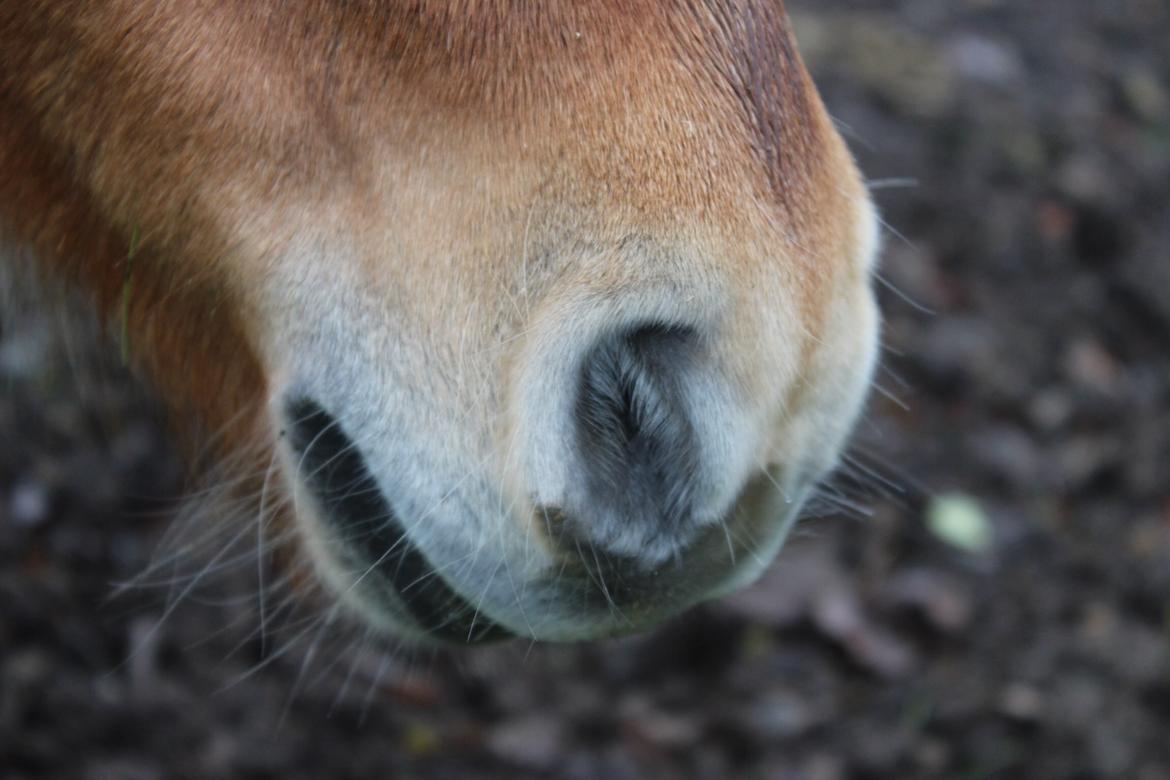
[(636, 441)]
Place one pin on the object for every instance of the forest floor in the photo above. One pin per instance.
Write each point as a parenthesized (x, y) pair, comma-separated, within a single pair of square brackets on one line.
[(1020, 153)]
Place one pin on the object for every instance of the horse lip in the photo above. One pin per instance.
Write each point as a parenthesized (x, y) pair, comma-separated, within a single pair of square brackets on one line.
[(336, 472)]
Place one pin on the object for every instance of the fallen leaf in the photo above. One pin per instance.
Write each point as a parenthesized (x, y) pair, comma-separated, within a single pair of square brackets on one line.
[(959, 520)]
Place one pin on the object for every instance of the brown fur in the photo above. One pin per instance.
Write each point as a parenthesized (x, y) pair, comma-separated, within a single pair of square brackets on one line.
[(206, 134), (123, 117)]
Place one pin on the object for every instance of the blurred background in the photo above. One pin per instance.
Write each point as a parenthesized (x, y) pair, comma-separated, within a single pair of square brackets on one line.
[(984, 592)]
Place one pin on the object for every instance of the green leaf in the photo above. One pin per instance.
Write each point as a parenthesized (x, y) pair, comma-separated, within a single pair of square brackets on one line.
[(959, 520)]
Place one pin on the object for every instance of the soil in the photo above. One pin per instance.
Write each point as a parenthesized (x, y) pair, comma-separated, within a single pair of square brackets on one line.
[(1020, 154)]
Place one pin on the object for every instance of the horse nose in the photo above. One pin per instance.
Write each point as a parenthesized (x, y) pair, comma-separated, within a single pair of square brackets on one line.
[(645, 431), (635, 443)]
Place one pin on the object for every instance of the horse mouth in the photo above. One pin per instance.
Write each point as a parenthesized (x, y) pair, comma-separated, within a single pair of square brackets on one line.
[(375, 543), (587, 594)]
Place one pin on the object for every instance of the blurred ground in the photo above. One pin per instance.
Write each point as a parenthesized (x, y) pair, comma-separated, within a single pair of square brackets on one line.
[(1038, 234)]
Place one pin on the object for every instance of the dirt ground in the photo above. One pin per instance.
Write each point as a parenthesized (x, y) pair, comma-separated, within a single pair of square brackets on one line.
[(1020, 153)]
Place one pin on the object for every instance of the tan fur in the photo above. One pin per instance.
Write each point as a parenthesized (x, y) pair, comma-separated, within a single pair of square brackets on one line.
[(456, 160)]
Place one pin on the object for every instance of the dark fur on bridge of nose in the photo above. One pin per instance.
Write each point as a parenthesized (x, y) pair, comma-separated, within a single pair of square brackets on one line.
[(636, 442)]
